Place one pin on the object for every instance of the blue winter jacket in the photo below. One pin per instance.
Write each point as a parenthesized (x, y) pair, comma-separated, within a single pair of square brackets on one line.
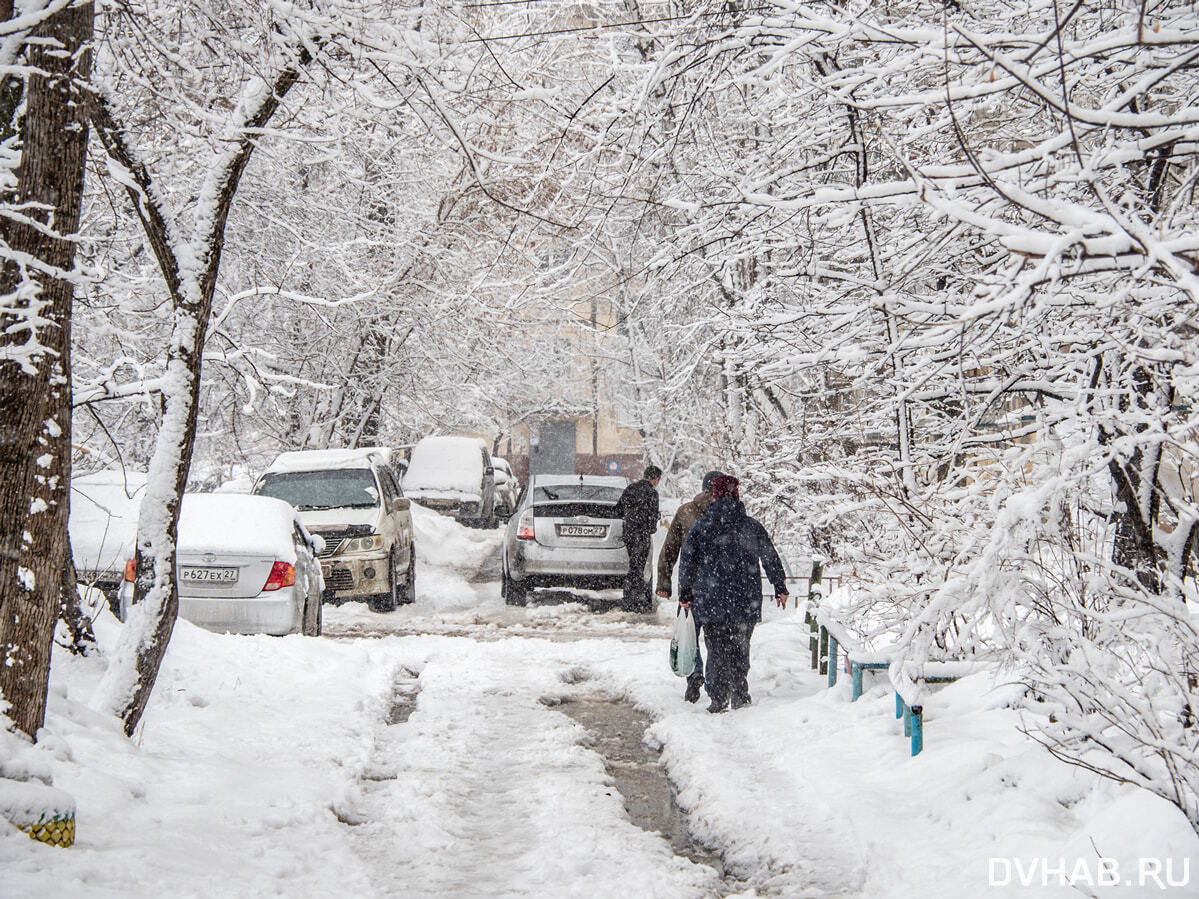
[(719, 565)]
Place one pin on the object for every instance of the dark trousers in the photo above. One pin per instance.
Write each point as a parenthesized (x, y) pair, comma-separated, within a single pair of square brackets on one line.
[(636, 590), (728, 660)]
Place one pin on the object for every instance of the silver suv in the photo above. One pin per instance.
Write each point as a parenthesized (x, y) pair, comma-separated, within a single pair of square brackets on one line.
[(352, 500)]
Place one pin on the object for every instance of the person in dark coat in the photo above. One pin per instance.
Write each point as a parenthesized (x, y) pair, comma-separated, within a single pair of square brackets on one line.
[(638, 507), (686, 516), (719, 564)]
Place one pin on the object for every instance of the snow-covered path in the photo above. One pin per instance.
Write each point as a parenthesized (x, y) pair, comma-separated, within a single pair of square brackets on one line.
[(486, 791)]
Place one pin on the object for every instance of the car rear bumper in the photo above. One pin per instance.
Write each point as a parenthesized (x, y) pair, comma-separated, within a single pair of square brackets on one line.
[(534, 562), (458, 506), (354, 578), (278, 612), (262, 614)]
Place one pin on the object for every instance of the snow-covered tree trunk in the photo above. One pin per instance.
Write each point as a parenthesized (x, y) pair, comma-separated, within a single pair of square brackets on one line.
[(37, 283), (189, 265)]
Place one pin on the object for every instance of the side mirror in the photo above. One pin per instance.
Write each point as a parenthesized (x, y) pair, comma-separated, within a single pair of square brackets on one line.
[(401, 504), (318, 544)]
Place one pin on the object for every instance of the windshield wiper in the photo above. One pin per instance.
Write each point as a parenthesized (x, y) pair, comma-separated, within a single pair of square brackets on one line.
[(549, 493)]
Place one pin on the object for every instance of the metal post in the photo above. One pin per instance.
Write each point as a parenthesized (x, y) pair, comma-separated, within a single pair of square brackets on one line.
[(823, 649), (814, 640), (832, 660), (917, 729), (856, 670), (907, 720)]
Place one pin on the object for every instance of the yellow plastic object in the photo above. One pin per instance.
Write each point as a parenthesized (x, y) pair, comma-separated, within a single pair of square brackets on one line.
[(58, 831), (43, 812)]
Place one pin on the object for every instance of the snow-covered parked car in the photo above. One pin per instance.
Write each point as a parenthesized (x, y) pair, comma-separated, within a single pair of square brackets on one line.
[(103, 526), (507, 488), (245, 565), (351, 498), (453, 475)]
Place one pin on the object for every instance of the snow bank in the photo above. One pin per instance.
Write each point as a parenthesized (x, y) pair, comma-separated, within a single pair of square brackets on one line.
[(230, 787)]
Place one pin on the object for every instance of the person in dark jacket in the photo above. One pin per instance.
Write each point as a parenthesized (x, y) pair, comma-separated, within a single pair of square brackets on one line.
[(719, 564), (686, 516), (638, 507)]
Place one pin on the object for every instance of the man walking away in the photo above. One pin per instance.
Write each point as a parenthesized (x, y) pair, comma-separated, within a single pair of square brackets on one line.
[(638, 506), (687, 515), (720, 566)]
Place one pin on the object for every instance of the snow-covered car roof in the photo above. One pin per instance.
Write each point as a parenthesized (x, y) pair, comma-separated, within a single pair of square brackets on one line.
[(237, 523), (103, 521), (322, 460), (445, 463), (599, 480)]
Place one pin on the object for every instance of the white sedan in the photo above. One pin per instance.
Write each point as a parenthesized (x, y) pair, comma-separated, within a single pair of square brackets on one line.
[(245, 565)]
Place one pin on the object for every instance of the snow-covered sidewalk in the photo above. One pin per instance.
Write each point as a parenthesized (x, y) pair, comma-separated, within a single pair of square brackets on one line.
[(267, 767)]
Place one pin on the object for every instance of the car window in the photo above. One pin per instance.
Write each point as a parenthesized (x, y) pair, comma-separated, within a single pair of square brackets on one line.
[(556, 493), (387, 480), (347, 488)]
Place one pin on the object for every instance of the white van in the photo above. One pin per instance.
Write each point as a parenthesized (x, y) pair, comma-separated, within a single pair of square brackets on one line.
[(453, 475)]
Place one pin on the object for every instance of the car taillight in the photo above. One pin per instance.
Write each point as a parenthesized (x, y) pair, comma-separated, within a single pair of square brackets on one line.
[(524, 528), (283, 574), (131, 570)]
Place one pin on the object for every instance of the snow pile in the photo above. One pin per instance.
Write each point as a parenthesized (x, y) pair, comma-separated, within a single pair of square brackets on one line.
[(320, 460)]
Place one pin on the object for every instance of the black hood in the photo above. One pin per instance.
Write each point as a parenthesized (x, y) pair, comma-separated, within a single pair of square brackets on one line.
[(727, 510)]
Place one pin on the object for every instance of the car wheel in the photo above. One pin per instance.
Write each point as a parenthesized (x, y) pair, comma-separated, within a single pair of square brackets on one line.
[(386, 602), (515, 592), (408, 593)]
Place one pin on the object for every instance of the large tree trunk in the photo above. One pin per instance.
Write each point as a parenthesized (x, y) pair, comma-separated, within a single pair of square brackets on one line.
[(35, 385)]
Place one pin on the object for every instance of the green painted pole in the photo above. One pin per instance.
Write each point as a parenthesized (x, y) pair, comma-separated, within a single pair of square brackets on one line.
[(823, 649), (832, 660), (856, 670), (917, 729)]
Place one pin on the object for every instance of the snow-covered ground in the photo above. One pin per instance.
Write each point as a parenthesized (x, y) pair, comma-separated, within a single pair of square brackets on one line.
[(268, 766)]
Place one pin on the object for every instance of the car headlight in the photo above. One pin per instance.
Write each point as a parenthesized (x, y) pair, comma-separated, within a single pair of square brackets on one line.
[(361, 544)]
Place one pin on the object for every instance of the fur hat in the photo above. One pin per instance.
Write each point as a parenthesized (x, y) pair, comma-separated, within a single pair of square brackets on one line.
[(725, 485)]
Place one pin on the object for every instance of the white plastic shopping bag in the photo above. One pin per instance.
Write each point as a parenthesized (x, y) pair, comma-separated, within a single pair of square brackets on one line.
[(683, 647)]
